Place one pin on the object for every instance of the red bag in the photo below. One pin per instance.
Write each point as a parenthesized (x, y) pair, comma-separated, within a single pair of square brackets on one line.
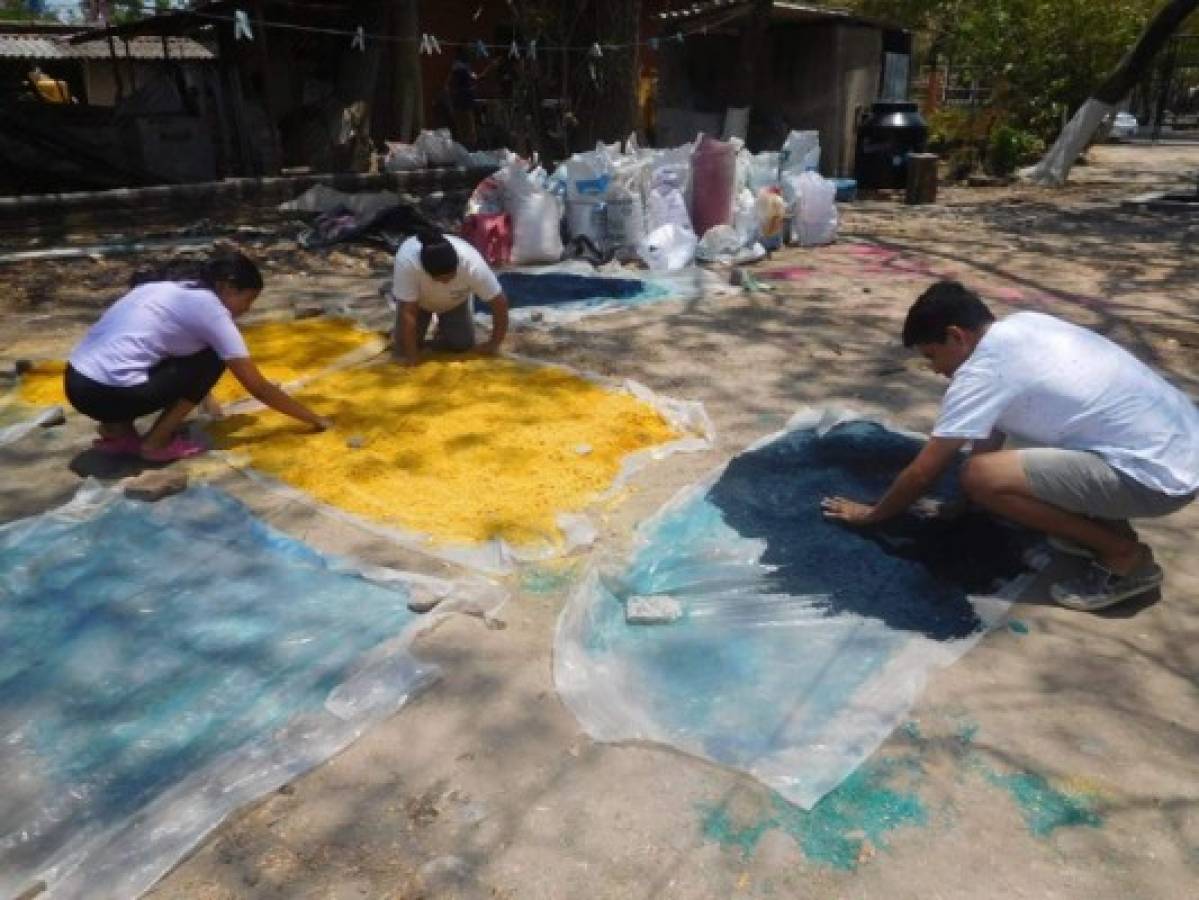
[(491, 235)]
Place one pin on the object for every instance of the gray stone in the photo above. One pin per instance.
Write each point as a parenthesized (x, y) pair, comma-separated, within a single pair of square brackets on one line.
[(53, 417), (658, 609), (424, 602), (445, 871), (155, 484), (356, 442)]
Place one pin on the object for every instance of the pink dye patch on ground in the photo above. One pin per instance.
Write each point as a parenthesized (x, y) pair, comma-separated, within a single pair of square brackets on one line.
[(794, 273), (1013, 295)]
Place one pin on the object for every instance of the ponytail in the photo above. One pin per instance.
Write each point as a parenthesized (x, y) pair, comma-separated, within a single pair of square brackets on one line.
[(232, 268)]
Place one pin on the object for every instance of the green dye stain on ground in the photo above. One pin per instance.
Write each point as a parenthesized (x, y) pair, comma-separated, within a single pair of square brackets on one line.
[(1017, 626), (1044, 807), (865, 807), (547, 580)]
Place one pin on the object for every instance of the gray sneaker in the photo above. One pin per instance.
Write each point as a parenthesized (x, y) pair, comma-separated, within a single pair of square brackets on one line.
[(1097, 588)]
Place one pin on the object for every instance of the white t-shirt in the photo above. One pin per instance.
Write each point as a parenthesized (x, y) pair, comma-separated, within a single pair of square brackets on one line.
[(1047, 383), (151, 323), (412, 284)]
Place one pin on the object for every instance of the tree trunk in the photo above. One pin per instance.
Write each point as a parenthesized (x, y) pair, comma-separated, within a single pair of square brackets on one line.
[(1054, 167)]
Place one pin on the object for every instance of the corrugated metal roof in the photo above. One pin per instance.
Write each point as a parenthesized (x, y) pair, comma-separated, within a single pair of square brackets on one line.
[(781, 10), (47, 47)]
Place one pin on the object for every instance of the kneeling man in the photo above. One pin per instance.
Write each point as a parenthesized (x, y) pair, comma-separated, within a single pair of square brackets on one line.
[(436, 275), (1106, 438)]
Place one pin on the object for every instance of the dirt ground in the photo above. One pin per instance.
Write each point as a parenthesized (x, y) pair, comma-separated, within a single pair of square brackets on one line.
[(1060, 758)]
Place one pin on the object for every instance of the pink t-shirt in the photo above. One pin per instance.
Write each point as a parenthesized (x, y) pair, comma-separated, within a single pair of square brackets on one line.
[(153, 322)]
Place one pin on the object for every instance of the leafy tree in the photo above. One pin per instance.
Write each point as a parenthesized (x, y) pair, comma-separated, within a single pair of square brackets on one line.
[(1041, 57), (24, 10), (1054, 167)]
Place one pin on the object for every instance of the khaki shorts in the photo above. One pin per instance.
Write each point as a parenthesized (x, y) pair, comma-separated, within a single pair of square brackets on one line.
[(1083, 483)]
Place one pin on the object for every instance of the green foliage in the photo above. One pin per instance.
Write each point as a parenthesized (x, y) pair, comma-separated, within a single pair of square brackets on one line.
[(1009, 148), (1041, 57), (21, 11), (954, 126)]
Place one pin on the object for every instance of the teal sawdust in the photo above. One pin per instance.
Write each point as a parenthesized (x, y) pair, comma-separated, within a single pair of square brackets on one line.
[(864, 808), (1045, 808), (548, 579)]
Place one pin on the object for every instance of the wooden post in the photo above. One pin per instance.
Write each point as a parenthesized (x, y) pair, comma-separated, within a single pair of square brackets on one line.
[(922, 178), (129, 63), (116, 68)]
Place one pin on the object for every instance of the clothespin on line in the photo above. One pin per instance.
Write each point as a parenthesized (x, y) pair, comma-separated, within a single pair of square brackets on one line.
[(241, 26), (429, 45)]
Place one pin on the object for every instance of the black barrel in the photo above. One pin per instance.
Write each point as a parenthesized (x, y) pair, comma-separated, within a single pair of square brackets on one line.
[(893, 130)]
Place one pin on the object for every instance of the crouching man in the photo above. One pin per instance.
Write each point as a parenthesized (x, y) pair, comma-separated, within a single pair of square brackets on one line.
[(1106, 438)]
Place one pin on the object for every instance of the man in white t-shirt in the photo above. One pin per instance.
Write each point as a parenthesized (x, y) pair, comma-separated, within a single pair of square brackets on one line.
[(1107, 438), (436, 275)]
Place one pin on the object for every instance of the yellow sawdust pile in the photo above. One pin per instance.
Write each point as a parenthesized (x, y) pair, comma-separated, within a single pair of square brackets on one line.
[(283, 351), (464, 450), (42, 385)]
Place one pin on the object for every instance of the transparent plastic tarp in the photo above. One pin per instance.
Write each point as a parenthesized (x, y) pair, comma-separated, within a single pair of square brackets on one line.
[(164, 664), (18, 419), (801, 644)]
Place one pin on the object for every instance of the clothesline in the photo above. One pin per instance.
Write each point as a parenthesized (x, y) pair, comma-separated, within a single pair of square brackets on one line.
[(431, 45)]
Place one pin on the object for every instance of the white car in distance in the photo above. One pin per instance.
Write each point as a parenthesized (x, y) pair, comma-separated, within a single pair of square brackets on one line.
[(1124, 126)]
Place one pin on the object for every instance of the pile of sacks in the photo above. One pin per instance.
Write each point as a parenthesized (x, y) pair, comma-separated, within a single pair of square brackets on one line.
[(708, 200), (438, 148)]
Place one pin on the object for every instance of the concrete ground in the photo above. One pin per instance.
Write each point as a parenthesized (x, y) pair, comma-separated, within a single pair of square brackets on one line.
[(1060, 758)]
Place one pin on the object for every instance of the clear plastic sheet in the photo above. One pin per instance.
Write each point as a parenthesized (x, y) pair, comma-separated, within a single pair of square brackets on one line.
[(801, 644), (17, 420), (164, 664)]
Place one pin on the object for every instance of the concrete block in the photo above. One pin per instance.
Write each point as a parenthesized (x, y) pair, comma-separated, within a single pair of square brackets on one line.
[(659, 609), (155, 484), (53, 417)]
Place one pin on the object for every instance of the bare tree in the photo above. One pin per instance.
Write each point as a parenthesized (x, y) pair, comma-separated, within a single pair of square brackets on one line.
[(1054, 167)]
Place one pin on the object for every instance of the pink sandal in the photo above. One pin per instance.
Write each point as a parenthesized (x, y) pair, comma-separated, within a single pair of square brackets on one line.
[(178, 448), (127, 445)]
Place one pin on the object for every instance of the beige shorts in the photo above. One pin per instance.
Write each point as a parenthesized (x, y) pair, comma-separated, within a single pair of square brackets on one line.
[(1082, 482)]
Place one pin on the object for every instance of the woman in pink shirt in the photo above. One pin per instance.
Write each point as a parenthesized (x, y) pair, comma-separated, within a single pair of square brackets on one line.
[(160, 349)]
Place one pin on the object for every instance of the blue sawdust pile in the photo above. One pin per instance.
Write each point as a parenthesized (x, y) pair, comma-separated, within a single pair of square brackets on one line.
[(914, 574), (525, 289)]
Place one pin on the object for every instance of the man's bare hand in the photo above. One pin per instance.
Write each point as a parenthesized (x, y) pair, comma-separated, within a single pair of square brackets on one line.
[(944, 510), (848, 512)]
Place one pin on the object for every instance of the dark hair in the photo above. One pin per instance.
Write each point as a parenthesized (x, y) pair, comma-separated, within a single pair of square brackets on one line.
[(437, 254), (227, 267), (944, 304)]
